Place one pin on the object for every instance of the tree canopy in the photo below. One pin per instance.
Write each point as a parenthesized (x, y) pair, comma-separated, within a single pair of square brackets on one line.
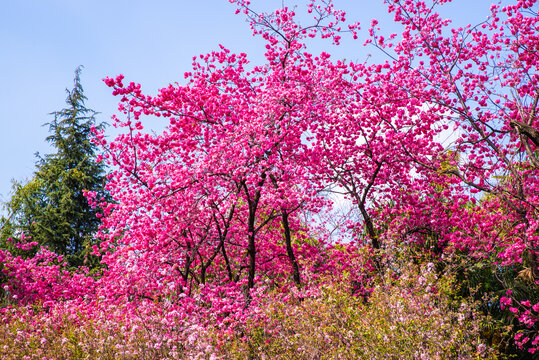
[(51, 208)]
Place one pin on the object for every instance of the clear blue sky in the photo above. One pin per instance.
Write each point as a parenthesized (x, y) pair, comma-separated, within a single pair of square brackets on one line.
[(150, 42)]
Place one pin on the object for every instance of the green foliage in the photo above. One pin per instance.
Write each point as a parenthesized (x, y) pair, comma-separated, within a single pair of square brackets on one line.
[(487, 282), (414, 315), (51, 207)]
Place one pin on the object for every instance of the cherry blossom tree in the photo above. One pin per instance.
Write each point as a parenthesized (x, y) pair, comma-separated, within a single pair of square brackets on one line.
[(248, 152), (222, 190), (480, 195)]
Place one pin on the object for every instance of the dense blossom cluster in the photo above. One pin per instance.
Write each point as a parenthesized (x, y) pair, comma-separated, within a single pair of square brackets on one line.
[(215, 218)]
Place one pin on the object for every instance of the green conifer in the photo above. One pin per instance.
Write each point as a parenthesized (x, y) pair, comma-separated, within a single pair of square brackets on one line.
[(51, 207)]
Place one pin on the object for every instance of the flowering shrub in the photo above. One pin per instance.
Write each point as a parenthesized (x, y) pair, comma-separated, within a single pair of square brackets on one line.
[(30, 334), (413, 316)]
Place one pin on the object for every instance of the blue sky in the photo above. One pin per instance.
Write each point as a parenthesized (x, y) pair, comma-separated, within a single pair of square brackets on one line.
[(150, 42)]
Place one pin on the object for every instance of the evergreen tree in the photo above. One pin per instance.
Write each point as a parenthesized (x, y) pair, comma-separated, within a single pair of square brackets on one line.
[(51, 207)]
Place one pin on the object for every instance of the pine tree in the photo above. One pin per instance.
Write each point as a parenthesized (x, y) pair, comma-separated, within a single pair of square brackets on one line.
[(51, 207)]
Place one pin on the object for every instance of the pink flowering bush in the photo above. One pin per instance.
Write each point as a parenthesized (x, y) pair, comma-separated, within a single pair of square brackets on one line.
[(412, 315)]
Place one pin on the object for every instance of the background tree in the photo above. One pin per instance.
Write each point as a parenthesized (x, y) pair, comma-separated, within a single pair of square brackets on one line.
[(51, 208)]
